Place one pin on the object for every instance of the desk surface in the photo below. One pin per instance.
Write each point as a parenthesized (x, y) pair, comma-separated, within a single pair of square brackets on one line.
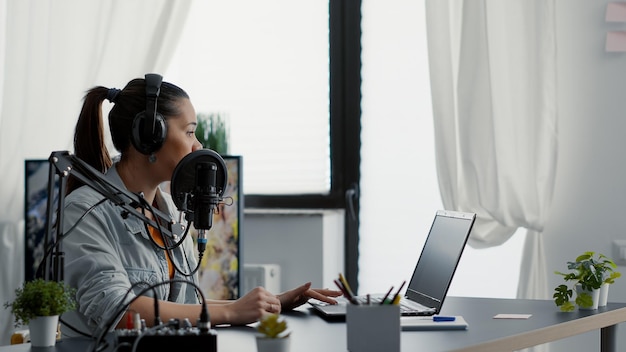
[(311, 333), (547, 323)]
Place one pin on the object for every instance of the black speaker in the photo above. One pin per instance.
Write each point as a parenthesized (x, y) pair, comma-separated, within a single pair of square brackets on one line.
[(149, 127)]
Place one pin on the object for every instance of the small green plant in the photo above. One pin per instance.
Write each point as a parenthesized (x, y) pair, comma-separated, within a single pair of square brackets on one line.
[(39, 298), (212, 132), (562, 297), (272, 327), (588, 270)]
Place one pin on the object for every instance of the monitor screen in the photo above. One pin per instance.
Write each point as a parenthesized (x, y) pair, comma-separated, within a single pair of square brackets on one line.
[(36, 173), (220, 270), (219, 273)]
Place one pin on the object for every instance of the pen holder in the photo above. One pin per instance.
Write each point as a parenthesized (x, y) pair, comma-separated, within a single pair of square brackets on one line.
[(373, 328)]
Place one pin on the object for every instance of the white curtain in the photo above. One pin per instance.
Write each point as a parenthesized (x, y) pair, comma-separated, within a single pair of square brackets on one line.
[(493, 77), (51, 52), (12, 249)]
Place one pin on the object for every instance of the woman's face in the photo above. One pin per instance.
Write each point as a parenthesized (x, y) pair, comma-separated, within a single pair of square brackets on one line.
[(180, 140)]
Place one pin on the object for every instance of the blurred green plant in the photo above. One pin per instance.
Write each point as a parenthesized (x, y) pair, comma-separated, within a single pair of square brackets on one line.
[(213, 132), (272, 327), (39, 298), (590, 270)]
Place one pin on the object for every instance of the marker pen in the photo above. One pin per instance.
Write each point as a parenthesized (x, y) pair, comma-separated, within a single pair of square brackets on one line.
[(443, 318)]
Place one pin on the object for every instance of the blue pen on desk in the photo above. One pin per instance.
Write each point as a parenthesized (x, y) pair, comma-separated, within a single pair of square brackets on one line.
[(443, 318)]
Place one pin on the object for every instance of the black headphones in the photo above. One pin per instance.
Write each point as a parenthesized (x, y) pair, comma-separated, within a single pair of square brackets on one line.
[(149, 127)]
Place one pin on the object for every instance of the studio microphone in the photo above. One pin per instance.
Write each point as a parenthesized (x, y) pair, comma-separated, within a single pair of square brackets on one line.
[(198, 184), (205, 200)]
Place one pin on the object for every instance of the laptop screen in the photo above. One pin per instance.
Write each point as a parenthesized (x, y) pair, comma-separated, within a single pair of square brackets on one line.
[(440, 256)]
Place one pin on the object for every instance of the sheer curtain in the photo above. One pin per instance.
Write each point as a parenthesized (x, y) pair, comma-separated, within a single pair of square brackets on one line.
[(493, 79), (51, 52)]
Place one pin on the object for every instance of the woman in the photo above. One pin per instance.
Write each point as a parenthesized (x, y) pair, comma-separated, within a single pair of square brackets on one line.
[(107, 252)]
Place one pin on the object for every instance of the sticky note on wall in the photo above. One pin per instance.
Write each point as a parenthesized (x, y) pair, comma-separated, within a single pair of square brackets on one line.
[(616, 41), (616, 12)]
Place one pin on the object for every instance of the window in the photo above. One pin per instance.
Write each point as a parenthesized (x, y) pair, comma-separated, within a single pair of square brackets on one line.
[(400, 194), (264, 67), (287, 77)]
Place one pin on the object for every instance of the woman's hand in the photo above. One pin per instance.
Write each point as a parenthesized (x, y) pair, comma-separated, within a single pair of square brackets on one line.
[(258, 302), (300, 295), (252, 307)]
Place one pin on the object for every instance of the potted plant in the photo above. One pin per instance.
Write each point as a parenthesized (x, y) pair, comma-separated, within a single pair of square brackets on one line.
[(38, 304), (212, 132), (588, 273), (274, 336), (607, 267)]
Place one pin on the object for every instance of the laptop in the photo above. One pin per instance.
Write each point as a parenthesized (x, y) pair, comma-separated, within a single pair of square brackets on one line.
[(433, 272)]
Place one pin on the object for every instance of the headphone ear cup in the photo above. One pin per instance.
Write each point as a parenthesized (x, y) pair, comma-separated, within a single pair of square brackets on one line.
[(148, 143)]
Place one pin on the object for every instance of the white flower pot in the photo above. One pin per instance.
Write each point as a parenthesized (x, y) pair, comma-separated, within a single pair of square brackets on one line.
[(595, 296), (264, 344), (604, 295), (43, 331)]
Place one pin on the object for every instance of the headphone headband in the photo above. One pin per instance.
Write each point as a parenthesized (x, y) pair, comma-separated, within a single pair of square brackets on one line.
[(153, 89), (149, 127)]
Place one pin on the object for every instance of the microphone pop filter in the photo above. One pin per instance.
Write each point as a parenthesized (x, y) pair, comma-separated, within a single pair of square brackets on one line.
[(183, 179)]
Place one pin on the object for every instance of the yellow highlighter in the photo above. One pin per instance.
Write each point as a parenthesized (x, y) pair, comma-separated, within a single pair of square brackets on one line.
[(396, 300), (345, 284)]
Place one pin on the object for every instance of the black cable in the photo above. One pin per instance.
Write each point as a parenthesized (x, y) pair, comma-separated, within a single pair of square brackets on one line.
[(166, 247), (203, 321), (118, 197), (70, 231), (38, 272), (145, 205), (136, 342), (157, 316), (80, 220)]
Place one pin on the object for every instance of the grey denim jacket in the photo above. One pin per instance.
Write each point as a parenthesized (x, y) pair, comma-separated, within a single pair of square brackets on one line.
[(108, 252)]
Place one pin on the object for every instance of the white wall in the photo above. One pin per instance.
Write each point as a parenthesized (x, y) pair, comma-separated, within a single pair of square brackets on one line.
[(590, 196), (308, 245), (589, 199)]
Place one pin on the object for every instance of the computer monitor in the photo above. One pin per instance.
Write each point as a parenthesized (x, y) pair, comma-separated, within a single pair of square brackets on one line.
[(220, 271), (36, 172)]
